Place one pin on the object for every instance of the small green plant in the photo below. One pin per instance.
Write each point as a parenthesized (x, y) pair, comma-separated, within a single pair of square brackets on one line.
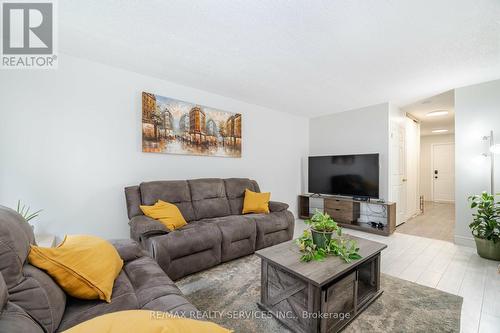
[(24, 211), (324, 223), (486, 219), (347, 249)]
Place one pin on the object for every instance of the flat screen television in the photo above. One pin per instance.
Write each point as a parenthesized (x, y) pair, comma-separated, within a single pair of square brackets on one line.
[(348, 175)]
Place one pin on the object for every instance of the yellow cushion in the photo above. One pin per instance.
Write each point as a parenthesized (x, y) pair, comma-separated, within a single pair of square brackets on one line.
[(145, 321), (166, 213), (256, 202), (84, 266)]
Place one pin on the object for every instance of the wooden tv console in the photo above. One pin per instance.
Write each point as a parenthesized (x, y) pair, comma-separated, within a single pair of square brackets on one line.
[(346, 212)]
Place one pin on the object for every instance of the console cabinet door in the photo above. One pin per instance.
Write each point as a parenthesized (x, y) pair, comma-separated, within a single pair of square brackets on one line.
[(339, 303)]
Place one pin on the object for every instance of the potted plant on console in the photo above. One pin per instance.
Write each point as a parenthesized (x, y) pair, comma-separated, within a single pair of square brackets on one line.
[(485, 225)]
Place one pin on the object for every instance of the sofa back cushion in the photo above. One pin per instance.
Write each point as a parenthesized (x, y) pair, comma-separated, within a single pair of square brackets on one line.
[(235, 191), (209, 198), (15, 238), (40, 297), (4, 294), (29, 288), (173, 191), (196, 199), (133, 200)]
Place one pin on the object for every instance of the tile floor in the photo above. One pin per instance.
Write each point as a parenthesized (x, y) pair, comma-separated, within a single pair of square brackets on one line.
[(445, 266)]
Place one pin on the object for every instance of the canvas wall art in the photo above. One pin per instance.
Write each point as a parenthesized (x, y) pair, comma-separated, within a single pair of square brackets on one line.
[(171, 126)]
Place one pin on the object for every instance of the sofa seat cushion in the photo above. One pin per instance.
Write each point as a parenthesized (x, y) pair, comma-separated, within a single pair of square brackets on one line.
[(238, 235), (269, 223), (78, 310), (273, 228), (190, 249), (141, 285), (195, 237)]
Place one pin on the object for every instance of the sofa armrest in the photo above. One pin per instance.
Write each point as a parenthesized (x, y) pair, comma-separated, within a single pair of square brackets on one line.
[(275, 206), (142, 226), (128, 249)]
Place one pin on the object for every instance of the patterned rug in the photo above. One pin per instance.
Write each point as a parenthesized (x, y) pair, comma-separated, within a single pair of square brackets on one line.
[(227, 294)]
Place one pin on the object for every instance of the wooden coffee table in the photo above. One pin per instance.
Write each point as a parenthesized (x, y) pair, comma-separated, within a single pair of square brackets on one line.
[(318, 296)]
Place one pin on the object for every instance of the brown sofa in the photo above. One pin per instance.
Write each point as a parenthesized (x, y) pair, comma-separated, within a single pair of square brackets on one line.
[(31, 302), (216, 231)]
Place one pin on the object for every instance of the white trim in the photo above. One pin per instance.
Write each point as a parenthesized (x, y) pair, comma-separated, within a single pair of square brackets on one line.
[(465, 241), (432, 170), (443, 201)]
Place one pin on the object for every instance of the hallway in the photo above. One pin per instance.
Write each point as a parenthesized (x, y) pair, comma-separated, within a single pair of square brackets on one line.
[(437, 222)]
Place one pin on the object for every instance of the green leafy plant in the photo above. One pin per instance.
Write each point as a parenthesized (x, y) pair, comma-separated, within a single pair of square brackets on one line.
[(486, 218), (347, 249), (324, 223), (24, 211)]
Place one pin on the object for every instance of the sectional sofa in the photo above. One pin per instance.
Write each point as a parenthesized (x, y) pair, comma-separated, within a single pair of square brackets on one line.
[(31, 302), (216, 231)]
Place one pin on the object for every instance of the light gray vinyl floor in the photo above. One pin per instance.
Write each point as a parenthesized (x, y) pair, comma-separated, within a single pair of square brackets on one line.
[(445, 266)]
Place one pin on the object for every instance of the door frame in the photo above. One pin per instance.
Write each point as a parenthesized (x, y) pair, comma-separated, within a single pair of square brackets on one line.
[(432, 170)]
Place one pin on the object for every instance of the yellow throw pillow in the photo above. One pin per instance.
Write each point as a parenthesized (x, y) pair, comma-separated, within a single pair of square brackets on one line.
[(255, 202), (145, 321), (166, 213), (84, 266)]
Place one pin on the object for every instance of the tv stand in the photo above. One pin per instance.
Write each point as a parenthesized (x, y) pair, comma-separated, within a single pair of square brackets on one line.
[(347, 211)]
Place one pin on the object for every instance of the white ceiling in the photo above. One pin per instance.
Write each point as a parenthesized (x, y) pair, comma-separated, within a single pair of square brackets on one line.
[(304, 57), (441, 102)]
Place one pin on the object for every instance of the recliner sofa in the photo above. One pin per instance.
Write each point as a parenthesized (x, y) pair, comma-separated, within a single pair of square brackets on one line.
[(31, 302), (216, 231)]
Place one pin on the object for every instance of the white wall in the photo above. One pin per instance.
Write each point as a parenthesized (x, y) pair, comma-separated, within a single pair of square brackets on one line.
[(426, 175), (477, 111), (360, 131), (70, 140)]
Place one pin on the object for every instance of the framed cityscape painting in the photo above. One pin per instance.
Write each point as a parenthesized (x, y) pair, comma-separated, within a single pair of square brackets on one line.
[(171, 126)]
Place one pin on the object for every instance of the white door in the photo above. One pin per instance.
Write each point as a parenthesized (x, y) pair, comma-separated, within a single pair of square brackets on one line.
[(443, 172), (412, 167), (398, 171)]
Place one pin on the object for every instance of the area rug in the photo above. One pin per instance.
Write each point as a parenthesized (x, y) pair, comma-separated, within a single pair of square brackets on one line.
[(227, 294)]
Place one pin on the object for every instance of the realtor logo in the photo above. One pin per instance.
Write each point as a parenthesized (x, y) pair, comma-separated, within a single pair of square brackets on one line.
[(28, 35)]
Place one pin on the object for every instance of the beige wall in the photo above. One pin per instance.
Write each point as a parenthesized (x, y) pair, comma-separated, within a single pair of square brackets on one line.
[(425, 161)]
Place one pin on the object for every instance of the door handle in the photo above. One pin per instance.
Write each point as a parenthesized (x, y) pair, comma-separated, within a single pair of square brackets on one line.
[(404, 180)]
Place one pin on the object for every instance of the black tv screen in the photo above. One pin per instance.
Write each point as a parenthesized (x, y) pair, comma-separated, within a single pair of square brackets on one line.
[(348, 175)]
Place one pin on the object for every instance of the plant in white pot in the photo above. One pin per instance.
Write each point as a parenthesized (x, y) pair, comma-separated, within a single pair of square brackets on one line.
[(485, 225)]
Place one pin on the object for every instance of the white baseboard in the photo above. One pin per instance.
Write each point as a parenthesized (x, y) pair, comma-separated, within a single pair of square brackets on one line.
[(465, 241), (444, 201)]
